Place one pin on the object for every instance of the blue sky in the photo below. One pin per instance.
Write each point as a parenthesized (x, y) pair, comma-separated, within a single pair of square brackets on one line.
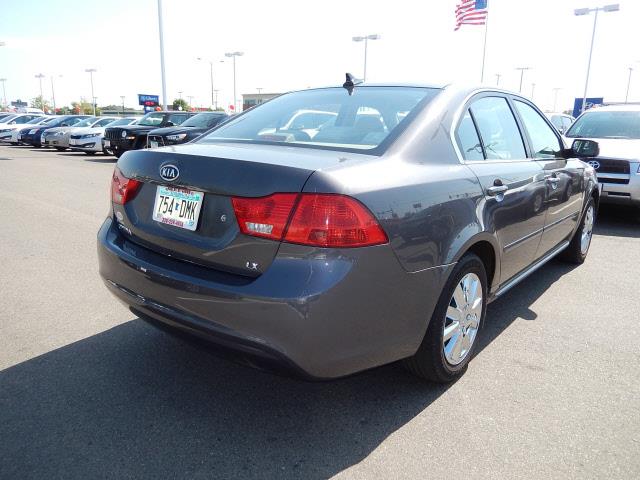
[(292, 44)]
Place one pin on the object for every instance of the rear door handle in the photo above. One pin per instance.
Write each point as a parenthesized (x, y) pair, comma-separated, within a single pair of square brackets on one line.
[(496, 190)]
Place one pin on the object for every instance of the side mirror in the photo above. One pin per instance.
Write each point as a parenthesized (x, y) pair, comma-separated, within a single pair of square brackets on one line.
[(585, 148), (12, 123), (64, 124), (171, 124)]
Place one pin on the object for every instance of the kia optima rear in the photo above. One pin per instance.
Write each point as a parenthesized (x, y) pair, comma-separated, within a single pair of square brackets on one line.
[(329, 247)]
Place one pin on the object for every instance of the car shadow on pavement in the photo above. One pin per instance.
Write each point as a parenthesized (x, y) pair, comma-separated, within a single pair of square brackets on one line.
[(134, 402), (618, 221)]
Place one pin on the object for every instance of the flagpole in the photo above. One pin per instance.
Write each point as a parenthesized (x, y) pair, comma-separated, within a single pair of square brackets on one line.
[(484, 49)]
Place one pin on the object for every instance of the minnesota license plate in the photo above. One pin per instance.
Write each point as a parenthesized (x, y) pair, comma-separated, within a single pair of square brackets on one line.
[(177, 206)]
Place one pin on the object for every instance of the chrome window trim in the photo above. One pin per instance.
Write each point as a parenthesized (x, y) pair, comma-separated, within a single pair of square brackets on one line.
[(458, 115)]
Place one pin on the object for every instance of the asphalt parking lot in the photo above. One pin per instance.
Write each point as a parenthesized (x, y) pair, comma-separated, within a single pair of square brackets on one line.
[(87, 390)]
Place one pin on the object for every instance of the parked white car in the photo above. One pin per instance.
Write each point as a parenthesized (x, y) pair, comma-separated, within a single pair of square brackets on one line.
[(89, 140), (59, 137), (7, 129), (19, 119)]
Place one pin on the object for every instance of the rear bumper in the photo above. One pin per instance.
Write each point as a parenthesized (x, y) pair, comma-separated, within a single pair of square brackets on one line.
[(323, 314)]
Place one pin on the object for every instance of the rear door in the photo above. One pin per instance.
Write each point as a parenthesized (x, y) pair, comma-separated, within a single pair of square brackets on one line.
[(564, 189), (494, 149)]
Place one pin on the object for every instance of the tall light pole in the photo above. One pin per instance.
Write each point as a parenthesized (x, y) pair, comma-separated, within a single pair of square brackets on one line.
[(533, 89), (555, 97), (4, 92), (53, 93), (162, 72), (522, 70), (259, 89), (210, 75), (498, 75), (40, 76), (626, 97), (365, 39), (216, 103), (586, 11), (234, 55), (122, 98), (90, 71)]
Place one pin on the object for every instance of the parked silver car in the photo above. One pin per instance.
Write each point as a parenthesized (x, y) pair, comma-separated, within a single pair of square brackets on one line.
[(59, 137)]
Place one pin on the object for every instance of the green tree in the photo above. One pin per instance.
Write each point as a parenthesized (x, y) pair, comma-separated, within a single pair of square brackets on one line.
[(181, 104), (40, 103)]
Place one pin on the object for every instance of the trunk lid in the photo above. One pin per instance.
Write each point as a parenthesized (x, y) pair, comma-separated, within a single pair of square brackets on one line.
[(220, 172)]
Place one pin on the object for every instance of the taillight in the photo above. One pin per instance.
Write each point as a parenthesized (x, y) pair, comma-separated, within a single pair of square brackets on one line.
[(264, 216), (323, 220), (123, 189)]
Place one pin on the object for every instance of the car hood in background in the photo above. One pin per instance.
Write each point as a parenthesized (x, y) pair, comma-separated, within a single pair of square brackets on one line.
[(623, 148)]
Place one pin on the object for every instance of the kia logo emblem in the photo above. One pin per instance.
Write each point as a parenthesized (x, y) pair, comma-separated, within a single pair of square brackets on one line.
[(169, 172), (595, 164)]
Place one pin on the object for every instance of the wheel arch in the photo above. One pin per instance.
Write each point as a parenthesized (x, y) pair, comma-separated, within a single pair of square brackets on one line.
[(486, 247)]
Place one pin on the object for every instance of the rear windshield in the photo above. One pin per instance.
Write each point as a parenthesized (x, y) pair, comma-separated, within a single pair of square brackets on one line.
[(605, 124), (327, 118), (203, 120)]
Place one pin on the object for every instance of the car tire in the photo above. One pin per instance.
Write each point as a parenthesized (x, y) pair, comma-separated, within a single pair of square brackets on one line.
[(436, 359), (117, 152), (578, 249)]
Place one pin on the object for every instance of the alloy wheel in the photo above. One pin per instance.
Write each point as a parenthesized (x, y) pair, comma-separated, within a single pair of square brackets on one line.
[(462, 319)]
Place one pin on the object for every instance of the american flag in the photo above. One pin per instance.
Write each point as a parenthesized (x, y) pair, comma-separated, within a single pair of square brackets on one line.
[(471, 12)]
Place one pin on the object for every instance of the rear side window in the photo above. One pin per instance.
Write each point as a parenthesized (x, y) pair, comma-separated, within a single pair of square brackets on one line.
[(544, 141), (566, 122), (556, 120), (468, 140), (498, 129)]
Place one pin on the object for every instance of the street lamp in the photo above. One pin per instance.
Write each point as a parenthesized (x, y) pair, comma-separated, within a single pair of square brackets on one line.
[(190, 97), (90, 71), (533, 89), (216, 104), (210, 75), (122, 98), (498, 75), (40, 76), (53, 93), (234, 55), (4, 92), (162, 70), (366, 39), (522, 69), (579, 12)]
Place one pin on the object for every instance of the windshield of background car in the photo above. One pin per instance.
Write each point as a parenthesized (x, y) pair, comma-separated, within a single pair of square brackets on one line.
[(152, 119), (33, 121), (327, 118), (120, 121), (202, 120), (87, 122), (605, 124)]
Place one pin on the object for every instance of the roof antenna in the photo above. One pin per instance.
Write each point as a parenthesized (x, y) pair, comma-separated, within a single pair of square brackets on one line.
[(351, 83)]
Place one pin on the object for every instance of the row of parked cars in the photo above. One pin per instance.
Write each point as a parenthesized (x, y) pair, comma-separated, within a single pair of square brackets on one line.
[(91, 135)]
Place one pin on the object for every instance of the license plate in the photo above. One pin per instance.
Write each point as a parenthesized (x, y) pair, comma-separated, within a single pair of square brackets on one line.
[(107, 144), (177, 206), (153, 144)]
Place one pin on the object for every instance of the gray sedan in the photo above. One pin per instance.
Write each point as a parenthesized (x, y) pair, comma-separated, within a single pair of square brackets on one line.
[(376, 236)]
